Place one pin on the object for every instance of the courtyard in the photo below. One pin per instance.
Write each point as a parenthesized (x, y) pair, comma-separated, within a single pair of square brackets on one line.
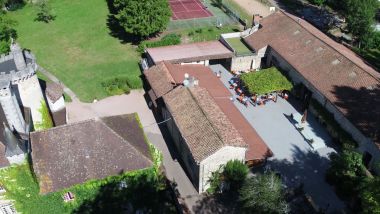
[(293, 157)]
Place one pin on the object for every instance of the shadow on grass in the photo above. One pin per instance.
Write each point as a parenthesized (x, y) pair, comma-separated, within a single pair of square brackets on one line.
[(116, 30)]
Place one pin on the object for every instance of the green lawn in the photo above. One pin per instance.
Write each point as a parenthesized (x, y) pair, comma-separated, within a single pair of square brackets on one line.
[(207, 33), (238, 45), (77, 47)]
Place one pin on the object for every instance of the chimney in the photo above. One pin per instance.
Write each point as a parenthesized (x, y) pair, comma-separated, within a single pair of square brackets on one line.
[(256, 19), (18, 56)]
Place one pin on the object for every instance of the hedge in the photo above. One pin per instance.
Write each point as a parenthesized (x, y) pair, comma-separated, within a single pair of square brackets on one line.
[(170, 39), (344, 138), (121, 85), (266, 81)]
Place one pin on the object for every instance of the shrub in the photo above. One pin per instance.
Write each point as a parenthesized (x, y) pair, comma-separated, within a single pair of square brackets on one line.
[(199, 30), (46, 122), (346, 172), (343, 137), (44, 13), (121, 85), (263, 194), (170, 39), (235, 173), (134, 82), (116, 86)]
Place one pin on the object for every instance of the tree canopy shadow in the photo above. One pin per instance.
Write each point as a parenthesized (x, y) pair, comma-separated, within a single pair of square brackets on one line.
[(141, 193), (307, 169), (116, 30), (361, 107), (219, 203)]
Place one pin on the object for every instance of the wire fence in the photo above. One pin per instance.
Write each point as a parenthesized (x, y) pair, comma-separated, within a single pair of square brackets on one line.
[(219, 19), (201, 23)]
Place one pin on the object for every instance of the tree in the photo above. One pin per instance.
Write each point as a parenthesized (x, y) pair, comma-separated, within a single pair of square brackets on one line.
[(44, 13), (143, 18), (370, 195), (317, 2), (346, 172), (263, 194), (7, 32), (235, 172), (360, 16)]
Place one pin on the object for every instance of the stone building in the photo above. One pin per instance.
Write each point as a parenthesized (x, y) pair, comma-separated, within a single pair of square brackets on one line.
[(72, 154), (206, 127), (335, 76), (21, 99)]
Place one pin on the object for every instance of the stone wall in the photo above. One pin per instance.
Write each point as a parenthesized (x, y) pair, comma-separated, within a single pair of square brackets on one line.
[(31, 96), (191, 167), (57, 105), (242, 63), (213, 163)]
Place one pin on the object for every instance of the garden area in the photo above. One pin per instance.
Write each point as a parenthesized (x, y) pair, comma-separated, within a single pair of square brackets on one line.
[(265, 81), (116, 193), (77, 46)]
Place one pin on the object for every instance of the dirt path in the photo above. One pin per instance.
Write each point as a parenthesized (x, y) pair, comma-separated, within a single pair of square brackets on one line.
[(254, 7)]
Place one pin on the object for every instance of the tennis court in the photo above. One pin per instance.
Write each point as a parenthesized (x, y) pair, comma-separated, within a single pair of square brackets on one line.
[(188, 9)]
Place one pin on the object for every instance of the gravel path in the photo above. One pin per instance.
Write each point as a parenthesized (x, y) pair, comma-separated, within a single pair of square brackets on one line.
[(56, 80), (254, 7)]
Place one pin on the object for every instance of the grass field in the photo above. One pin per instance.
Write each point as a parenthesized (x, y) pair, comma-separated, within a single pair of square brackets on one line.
[(77, 47), (238, 45)]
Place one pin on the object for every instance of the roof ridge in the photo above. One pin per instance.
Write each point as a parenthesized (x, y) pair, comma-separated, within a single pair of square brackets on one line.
[(337, 51), (208, 120), (124, 140), (66, 125)]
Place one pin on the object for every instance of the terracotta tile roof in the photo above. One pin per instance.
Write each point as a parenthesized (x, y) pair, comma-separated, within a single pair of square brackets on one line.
[(59, 117), (54, 91), (201, 122), (159, 79), (340, 75), (257, 149), (190, 52), (94, 149)]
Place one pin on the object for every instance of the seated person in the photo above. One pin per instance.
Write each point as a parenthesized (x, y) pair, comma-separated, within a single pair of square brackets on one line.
[(271, 97)]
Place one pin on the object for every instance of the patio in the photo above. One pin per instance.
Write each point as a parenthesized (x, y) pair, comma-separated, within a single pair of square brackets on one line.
[(294, 158)]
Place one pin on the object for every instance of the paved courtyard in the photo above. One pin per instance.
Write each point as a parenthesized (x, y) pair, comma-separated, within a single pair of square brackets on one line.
[(293, 157)]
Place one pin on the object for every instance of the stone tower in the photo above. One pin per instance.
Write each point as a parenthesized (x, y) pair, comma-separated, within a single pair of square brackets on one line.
[(18, 56), (11, 108)]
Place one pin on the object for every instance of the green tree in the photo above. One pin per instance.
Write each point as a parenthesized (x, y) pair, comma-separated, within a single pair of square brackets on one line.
[(360, 16), (44, 12), (7, 32), (235, 172), (143, 18), (370, 195), (317, 2), (263, 194), (346, 172)]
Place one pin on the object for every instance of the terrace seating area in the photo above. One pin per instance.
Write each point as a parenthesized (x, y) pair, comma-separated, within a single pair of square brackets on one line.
[(293, 157)]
